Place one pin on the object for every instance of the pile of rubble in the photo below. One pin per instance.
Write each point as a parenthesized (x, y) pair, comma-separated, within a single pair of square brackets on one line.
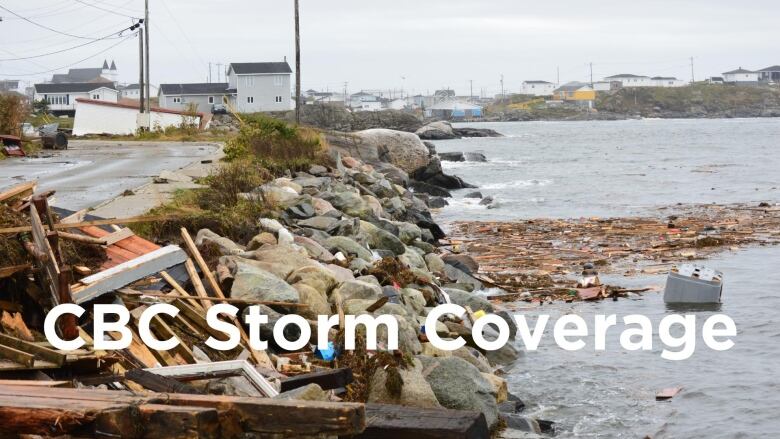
[(542, 259), (351, 239)]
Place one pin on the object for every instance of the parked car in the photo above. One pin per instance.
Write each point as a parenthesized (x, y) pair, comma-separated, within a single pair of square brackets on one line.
[(218, 109)]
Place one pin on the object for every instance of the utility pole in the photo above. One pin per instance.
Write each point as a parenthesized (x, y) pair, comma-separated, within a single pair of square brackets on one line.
[(558, 81), (693, 79), (346, 99), (297, 66), (591, 75), (209, 72), (502, 89), (471, 90), (141, 68), (146, 55), (219, 72)]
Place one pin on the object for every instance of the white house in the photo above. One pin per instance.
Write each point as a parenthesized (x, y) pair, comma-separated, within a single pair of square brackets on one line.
[(133, 91), (741, 76), (770, 74), (668, 81), (251, 88), (537, 88), (62, 97), (101, 117), (11, 85), (630, 80), (260, 86), (363, 101), (396, 104)]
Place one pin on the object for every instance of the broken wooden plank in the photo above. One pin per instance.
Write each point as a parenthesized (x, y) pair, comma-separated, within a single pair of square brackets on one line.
[(44, 353), (127, 272), (36, 383), (201, 370), (667, 394), (159, 383), (393, 421), (327, 379), (10, 271), (20, 190), (17, 356), (14, 325), (80, 238), (117, 236), (100, 222)]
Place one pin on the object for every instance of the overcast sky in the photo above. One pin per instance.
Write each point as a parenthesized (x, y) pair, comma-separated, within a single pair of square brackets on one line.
[(377, 43)]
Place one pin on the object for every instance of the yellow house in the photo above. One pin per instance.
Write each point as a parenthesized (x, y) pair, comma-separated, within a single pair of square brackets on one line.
[(574, 91)]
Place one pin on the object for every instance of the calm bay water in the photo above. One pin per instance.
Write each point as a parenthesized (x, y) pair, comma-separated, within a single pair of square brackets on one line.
[(575, 169)]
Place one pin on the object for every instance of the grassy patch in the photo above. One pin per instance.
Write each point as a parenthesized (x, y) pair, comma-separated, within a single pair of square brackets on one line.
[(218, 207), (275, 144)]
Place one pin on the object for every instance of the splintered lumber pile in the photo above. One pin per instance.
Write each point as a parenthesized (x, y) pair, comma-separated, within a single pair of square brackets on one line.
[(392, 421), (55, 411), (549, 254)]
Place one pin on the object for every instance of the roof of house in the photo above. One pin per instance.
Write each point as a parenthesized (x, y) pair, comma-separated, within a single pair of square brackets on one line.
[(132, 106), (771, 69), (536, 82), (113, 65), (72, 87), (572, 86), (202, 88), (253, 68), (79, 75), (626, 75), (739, 70)]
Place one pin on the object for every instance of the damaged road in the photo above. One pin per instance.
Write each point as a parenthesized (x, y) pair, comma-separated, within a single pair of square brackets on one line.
[(93, 171)]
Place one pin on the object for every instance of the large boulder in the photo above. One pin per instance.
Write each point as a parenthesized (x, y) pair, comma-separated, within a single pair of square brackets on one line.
[(253, 283), (460, 386), (347, 246), (381, 239), (401, 149), (436, 131), (407, 387), (282, 259), (355, 289), (225, 245)]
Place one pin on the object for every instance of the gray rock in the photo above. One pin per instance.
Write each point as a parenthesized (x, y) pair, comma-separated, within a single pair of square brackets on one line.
[(324, 223), (401, 149), (415, 391), (431, 147), (436, 131), (318, 170), (309, 392), (348, 247), (475, 157), (435, 263), (474, 357), (521, 423), (317, 277), (380, 239), (282, 259), (424, 246), (225, 245), (314, 249), (253, 283), (350, 203), (278, 196), (476, 194), (475, 301), (302, 210), (460, 386), (452, 156), (486, 201), (408, 232), (355, 289), (461, 277), (437, 202), (316, 300), (413, 258), (462, 262)]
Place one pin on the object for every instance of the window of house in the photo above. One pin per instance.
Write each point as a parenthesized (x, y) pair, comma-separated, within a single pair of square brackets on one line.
[(211, 99), (250, 99), (278, 80), (249, 81), (177, 100), (278, 99), (96, 96)]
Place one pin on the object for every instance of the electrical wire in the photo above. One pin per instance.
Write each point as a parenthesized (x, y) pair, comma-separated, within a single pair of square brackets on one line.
[(104, 9), (70, 48), (75, 63), (46, 27)]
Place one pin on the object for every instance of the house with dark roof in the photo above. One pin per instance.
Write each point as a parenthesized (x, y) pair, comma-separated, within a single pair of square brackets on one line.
[(133, 91), (251, 88), (770, 74), (537, 88), (631, 80), (62, 97), (741, 76), (107, 73)]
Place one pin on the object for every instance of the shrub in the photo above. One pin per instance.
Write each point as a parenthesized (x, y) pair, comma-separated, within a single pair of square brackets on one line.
[(13, 111), (274, 144)]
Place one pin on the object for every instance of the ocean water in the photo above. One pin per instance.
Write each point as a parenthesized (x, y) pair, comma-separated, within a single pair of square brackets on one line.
[(576, 169)]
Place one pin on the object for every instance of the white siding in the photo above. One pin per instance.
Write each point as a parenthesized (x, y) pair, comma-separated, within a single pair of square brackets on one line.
[(741, 77), (537, 89), (69, 99), (262, 92), (98, 119)]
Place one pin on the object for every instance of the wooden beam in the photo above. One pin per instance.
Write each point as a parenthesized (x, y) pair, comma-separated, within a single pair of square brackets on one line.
[(207, 370), (100, 222), (118, 236), (128, 272), (44, 353), (23, 190), (394, 421), (159, 383), (260, 357), (10, 271), (81, 238), (179, 289), (17, 356), (197, 284), (327, 379)]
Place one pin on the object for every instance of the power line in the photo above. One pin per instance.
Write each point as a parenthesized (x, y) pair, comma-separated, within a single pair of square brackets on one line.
[(46, 27), (70, 48), (104, 9), (75, 63)]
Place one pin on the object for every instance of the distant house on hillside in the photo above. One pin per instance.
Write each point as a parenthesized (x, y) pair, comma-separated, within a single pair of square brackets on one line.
[(741, 75), (364, 101), (454, 110), (251, 88), (770, 74), (11, 85), (62, 97), (537, 88), (667, 81), (607, 85), (576, 92), (631, 80), (83, 75)]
